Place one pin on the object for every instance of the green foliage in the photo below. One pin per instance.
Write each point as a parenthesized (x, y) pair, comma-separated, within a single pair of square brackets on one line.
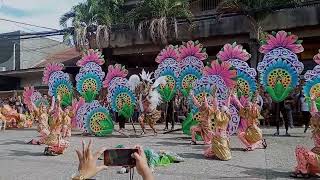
[(107, 127), (66, 99), (127, 111), (91, 12), (167, 93), (279, 92), (185, 92), (317, 102), (150, 9), (188, 123), (89, 95)]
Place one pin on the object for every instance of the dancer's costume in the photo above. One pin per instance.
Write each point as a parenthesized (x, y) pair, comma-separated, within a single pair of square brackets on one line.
[(120, 97), (168, 67), (190, 60), (249, 133), (220, 147), (61, 90), (91, 116), (204, 128), (220, 75), (149, 98), (308, 161), (280, 68), (246, 83), (37, 106)]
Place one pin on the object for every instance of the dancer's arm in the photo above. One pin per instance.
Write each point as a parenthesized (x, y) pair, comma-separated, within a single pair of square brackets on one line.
[(235, 100), (140, 103), (194, 100), (313, 108), (215, 99), (53, 103)]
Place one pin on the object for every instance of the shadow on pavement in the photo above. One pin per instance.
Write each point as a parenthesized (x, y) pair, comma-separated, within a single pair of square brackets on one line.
[(13, 142), (283, 136), (168, 143), (237, 149), (260, 172), (21, 153)]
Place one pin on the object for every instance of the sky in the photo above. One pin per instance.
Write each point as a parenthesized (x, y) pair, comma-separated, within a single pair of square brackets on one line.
[(38, 12)]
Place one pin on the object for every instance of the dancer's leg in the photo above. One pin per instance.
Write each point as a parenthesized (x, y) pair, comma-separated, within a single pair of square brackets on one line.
[(141, 121), (305, 159), (194, 131), (241, 135), (151, 124), (208, 153), (306, 115), (259, 145)]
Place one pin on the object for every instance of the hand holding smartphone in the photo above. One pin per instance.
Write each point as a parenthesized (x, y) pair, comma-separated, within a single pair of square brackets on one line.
[(119, 157)]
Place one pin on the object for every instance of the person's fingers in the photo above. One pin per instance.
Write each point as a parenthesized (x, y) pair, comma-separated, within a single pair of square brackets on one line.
[(101, 168), (79, 155), (83, 149), (136, 156), (98, 153), (89, 154)]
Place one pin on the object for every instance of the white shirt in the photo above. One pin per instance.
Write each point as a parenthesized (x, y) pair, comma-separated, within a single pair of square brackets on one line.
[(304, 104), (260, 101)]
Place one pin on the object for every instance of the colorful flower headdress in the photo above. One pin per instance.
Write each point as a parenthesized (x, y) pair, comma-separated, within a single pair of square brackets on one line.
[(281, 39), (233, 51), (192, 48), (91, 56)]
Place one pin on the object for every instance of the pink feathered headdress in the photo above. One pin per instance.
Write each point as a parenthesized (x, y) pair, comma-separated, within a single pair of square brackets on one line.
[(223, 69), (194, 49), (91, 56), (116, 70), (27, 93), (50, 68), (281, 39), (169, 52), (233, 51)]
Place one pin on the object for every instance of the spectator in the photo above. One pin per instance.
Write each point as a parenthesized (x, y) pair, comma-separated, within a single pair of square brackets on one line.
[(266, 108), (282, 111), (304, 109), (88, 168), (288, 105)]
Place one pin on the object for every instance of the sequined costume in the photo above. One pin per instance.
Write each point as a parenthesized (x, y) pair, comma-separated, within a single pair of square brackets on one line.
[(149, 98), (220, 144), (308, 161), (56, 143), (249, 133), (204, 128)]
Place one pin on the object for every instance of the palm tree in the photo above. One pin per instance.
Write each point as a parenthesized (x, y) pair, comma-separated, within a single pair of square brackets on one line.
[(255, 10), (93, 13), (159, 16)]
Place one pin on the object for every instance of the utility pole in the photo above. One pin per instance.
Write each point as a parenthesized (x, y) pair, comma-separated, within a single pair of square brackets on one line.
[(14, 57)]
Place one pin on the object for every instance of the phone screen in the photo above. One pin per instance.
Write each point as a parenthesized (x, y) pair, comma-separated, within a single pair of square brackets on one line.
[(119, 157)]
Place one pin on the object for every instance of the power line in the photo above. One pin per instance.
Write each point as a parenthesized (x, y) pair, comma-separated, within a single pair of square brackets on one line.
[(35, 31), (43, 27)]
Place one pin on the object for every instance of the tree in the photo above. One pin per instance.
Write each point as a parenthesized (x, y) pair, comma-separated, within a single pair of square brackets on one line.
[(255, 10), (97, 13), (158, 16)]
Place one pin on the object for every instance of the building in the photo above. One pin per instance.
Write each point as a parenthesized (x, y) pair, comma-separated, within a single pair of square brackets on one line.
[(22, 60), (126, 47)]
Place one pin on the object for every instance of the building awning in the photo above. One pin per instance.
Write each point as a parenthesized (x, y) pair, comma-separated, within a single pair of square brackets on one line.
[(23, 72), (67, 57)]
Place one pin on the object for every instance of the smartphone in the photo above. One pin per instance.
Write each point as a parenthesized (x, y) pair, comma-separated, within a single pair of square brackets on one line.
[(119, 157)]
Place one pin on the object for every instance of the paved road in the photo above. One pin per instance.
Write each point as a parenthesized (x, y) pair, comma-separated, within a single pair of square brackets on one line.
[(19, 161)]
